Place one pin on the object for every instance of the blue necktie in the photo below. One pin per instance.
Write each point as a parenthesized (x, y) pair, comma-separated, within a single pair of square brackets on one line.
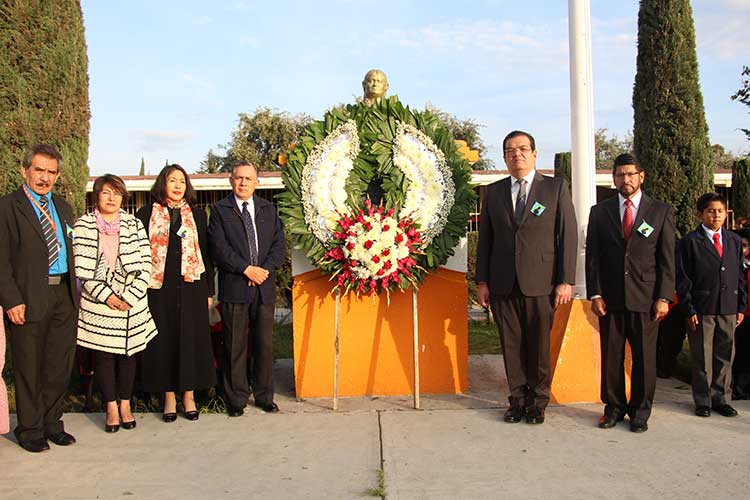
[(247, 219)]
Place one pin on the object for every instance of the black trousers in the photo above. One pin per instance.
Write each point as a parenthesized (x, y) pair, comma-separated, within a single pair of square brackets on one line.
[(524, 324), (43, 353), (115, 375), (256, 319), (641, 332)]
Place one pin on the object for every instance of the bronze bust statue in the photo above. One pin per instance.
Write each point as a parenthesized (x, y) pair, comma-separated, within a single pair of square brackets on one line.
[(375, 85)]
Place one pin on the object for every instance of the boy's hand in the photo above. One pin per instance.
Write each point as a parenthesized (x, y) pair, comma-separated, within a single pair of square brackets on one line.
[(740, 317), (692, 322)]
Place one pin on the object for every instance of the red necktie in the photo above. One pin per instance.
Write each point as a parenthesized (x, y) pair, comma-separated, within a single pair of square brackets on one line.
[(717, 244), (627, 219)]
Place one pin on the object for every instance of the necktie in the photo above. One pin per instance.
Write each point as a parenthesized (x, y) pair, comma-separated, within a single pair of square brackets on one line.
[(50, 235), (717, 244), (247, 219), (627, 219), (520, 201)]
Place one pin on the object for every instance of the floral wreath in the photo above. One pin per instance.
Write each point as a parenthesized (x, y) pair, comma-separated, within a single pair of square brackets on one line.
[(426, 196)]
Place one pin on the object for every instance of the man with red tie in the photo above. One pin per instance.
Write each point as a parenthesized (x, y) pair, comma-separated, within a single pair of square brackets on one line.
[(630, 280)]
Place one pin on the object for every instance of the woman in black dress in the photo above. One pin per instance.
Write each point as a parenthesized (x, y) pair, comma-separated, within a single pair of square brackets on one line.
[(180, 294)]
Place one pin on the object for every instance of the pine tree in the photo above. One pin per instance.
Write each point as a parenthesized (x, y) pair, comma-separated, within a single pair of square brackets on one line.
[(44, 95), (563, 167), (670, 135), (741, 188)]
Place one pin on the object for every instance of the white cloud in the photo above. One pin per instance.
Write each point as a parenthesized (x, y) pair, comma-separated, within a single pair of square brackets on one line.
[(156, 141), (721, 28), (250, 41), (202, 21)]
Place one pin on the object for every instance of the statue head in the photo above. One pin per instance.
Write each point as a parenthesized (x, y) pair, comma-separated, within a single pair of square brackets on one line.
[(375, 85)]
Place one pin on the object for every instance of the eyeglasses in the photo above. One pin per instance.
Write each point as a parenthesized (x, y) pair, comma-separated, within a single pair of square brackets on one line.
[(110, 194), (524, 150), (623, 175)]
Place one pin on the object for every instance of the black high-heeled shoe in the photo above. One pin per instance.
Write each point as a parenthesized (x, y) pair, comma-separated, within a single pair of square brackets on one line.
[(169, 417), (192, 415), (111, 428), (129, 425)]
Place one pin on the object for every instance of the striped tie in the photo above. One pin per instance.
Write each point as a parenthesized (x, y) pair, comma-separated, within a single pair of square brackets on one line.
[(247, 219), (50, 235)]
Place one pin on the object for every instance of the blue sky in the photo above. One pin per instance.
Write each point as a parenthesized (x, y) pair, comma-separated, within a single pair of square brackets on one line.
[(168, 78)]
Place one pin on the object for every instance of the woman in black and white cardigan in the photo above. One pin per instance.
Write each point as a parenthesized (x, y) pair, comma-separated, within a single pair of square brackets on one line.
[(113, 261)]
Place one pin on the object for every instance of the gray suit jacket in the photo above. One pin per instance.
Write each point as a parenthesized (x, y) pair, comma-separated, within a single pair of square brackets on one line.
[(539, 252)]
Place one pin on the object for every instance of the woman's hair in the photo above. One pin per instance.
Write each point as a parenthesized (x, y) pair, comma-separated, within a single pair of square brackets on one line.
[(114, 182), (159, 189)]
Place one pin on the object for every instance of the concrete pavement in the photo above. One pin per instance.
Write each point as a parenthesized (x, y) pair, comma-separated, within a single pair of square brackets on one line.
[(457, 447)]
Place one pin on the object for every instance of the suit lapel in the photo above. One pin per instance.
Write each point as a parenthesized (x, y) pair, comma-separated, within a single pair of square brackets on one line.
[(505, 196), (24, 206), (708, 244), (531, 195), (612, 208)]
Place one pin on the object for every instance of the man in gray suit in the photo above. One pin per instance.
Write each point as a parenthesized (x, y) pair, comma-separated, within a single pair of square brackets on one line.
[(526, 263)]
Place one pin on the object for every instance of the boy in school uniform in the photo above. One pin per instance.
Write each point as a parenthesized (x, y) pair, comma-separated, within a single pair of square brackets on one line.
[(712, 295)]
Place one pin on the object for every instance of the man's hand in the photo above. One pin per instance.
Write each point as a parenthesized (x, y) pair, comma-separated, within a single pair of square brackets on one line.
[(483, 295), (17, 314), (210, 302), (661, 309), (116, 303), (740, 317), (599, 307), (563, 294), (692, 322), (255, 274)]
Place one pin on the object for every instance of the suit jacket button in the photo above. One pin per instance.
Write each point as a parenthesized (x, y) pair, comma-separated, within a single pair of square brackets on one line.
[(723, 268), (627, 273)]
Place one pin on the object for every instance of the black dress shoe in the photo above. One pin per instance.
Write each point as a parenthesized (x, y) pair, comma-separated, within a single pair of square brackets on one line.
[(128, 425), (535, 415), (268, 407), (702, 411), (514, 414), (192, 415), (169, 417), (62, 438), (610, 419), (34, 445), (725, 410), (111, 428), (638, 425), (235, 412)]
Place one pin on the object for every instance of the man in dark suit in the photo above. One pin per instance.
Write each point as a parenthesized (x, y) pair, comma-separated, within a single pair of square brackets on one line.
[(246, 240), (630, 280), (38, 293), (526, 263)]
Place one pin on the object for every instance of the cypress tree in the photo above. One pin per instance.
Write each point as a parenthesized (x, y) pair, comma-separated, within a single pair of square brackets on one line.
[(142, 171), (44, 95), (741, 187), (670, 135), (563, 167)]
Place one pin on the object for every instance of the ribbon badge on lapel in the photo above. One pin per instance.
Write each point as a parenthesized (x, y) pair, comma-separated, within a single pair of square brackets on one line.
[(538, 209), (69, 231), (645, 229)]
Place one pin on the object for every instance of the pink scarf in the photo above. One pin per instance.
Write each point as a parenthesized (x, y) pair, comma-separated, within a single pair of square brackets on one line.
[(191, 265), (109, 238)]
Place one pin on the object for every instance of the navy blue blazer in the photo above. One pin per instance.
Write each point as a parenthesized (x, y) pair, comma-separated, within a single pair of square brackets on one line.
[(707, 283), (229, 248)]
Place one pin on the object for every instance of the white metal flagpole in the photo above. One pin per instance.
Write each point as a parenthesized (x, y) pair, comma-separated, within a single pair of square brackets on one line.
[(582, 127)]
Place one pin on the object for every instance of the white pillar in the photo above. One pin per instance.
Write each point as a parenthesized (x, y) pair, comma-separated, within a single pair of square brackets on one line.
[(582, 126)]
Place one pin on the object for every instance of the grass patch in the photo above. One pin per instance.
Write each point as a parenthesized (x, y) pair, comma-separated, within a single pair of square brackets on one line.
[(378, 491), (483, 338)]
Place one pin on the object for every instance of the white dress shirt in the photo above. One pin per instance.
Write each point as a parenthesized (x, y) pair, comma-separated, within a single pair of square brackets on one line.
[(515, 186)]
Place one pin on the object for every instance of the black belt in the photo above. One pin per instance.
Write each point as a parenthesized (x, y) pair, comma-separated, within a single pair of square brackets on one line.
[(57, 279)]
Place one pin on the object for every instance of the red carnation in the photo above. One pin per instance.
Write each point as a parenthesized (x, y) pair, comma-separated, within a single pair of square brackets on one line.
[(350, 246), (386, 227), (368, 244), (375, 259)]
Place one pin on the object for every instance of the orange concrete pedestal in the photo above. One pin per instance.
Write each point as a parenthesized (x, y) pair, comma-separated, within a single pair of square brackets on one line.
[(375, 339), (575, 355)]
